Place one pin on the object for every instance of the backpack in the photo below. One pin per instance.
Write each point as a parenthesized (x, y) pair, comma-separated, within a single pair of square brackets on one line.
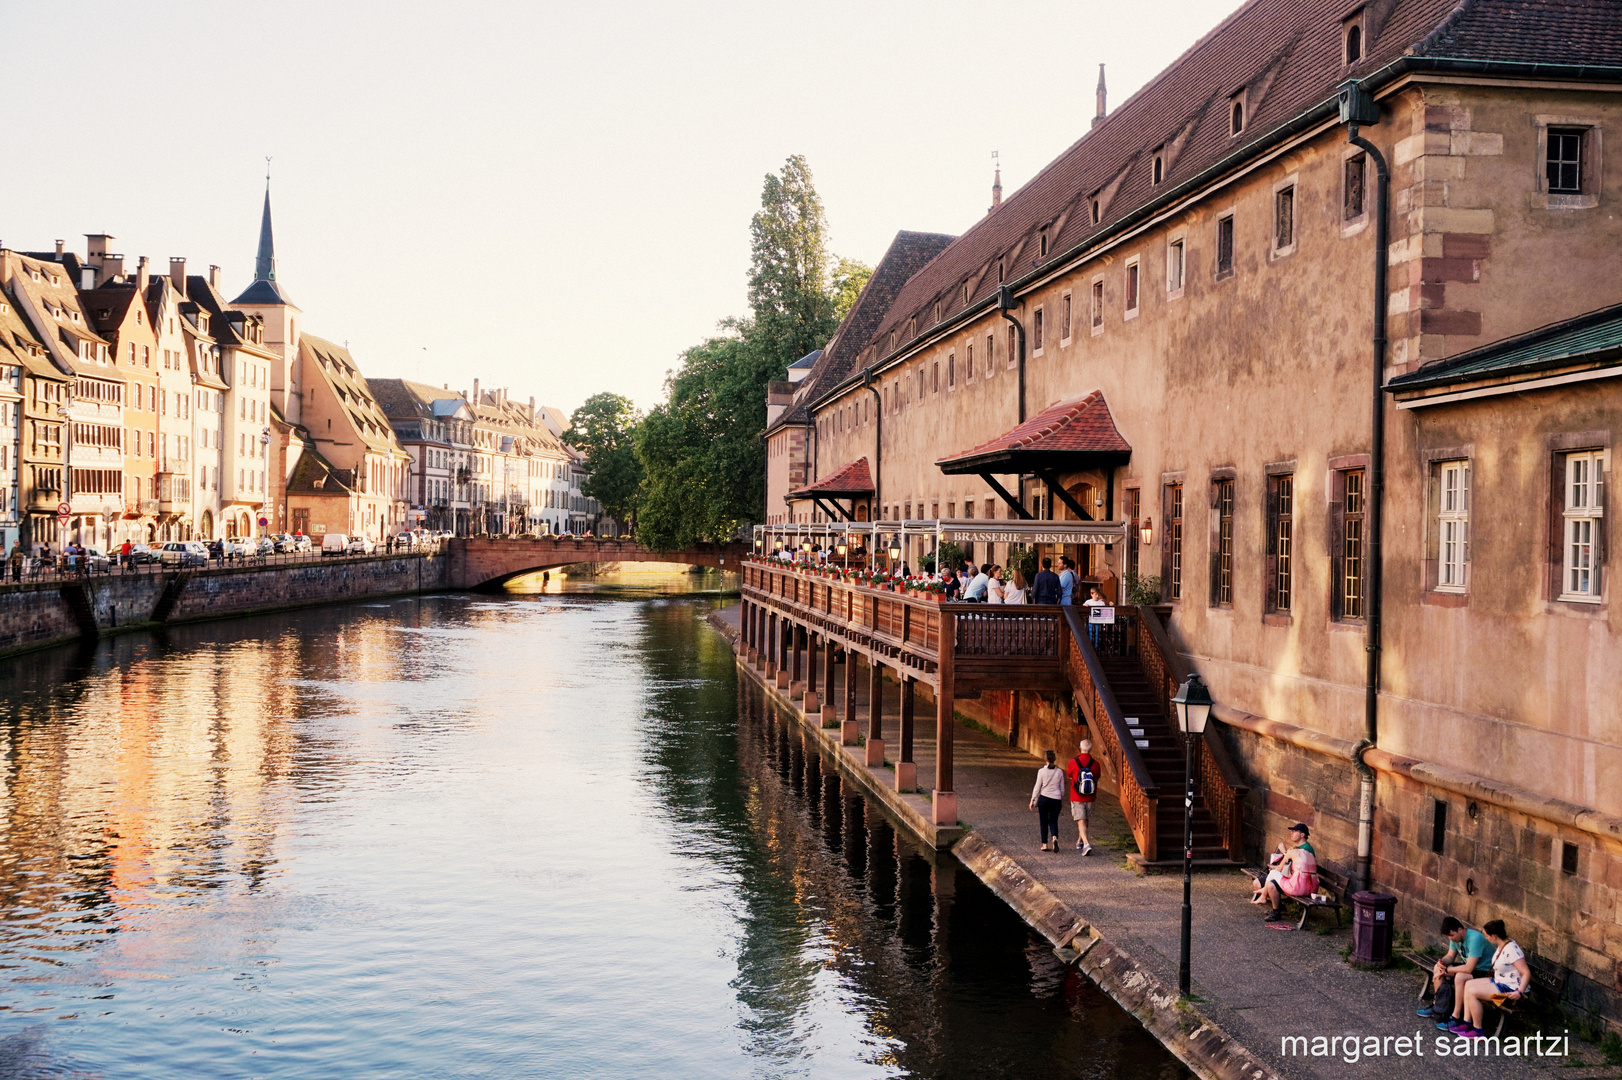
[(1085, 785)]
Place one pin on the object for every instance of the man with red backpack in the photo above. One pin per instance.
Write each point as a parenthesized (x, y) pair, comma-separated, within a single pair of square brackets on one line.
[(1083, 771)]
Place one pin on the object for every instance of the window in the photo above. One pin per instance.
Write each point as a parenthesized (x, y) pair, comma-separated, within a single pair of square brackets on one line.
[(1098, 306), (1174, 540), (1354, 43), (1134, 515), (1453, 526), (935, 377), (1563, 161), (1013, 345), (1582, 519), (1352, 200), (1438, 826), (1097, 210), (920, 384), (1236, 115), (1222, 577), (999, 271), (1347, 578), (991, 353), (1157, 168), (1064, 318), (1037, 324), (1042, 244), (951, 370), (1132, 288), (1175, 265), (1281, 541), (968, 362), (1284, 218), (1224, 246)]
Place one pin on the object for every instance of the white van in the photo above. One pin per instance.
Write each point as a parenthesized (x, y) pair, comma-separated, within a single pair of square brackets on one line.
[(334, 544)]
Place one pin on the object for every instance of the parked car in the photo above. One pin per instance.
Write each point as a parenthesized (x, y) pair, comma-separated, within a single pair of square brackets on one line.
[(335, 544), (266, 546), (283, 542), (183, 553), (405, 542), (143, 553), (240, 547), (302, 543), (360, 544), (98, 561)]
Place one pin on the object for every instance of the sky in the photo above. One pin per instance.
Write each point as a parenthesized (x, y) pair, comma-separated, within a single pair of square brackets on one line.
[(549, 197)]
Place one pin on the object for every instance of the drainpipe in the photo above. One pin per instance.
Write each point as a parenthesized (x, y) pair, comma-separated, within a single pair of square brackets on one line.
[(1005, 302), (878, 444), (1357, 106)]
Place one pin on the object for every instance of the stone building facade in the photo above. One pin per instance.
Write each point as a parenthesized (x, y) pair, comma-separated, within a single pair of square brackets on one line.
[(1196, 277)]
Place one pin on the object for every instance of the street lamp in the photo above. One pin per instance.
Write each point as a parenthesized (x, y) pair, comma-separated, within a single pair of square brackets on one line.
[(1193, 702)]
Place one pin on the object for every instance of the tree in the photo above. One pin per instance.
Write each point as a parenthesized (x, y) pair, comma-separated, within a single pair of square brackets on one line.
[(788, 273), (849, 278), (605, 429)]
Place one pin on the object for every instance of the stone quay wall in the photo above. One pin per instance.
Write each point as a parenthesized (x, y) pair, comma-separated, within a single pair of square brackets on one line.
[(41, 614)]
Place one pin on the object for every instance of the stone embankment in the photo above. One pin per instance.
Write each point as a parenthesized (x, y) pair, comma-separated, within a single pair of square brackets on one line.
[(38, 615)]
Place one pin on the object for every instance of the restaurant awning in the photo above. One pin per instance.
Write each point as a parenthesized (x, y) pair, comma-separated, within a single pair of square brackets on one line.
[(852, 482), (1076, 434)]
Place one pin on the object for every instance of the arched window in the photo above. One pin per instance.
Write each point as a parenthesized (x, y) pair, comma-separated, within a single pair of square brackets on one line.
[(1237, 117), (1354, 43)]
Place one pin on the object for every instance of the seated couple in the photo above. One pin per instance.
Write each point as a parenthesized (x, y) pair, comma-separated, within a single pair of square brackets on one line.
[(1466, 978), (1294, 872)]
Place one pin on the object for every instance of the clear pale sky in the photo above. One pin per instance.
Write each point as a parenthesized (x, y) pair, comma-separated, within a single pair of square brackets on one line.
[(550, 197)]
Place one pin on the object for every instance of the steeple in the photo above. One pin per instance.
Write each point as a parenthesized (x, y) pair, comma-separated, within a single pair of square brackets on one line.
[(996, 185), (1099, 115), (264, 267)]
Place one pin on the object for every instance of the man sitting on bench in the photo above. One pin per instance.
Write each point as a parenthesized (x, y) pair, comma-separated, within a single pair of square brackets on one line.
[(1467, 957), (1294, 872)]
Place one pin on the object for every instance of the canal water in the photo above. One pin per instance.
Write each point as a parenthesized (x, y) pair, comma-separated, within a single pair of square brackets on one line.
[(541, 835)]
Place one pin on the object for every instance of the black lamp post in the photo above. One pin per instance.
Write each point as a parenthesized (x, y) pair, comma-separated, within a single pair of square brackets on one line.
[(1193, 702)]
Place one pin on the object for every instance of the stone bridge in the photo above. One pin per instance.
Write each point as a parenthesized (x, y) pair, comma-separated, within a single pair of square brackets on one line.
[(486, 563)]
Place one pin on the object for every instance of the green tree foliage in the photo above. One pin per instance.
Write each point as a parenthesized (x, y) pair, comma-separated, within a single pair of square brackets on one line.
[(849, 279), (701, 451), (604, 428)]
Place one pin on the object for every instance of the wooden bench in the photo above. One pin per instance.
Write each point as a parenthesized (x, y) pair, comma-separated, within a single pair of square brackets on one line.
[(1548, 980), (1329, 883)]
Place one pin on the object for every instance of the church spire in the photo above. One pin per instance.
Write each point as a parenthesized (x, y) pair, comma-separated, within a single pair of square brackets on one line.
[(264, 267), (996, 185), (1097, 116)]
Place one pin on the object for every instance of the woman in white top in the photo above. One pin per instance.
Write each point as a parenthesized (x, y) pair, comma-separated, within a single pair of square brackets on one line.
[(1047, 798), (1510, 977), (994, 585), (1016, 591)]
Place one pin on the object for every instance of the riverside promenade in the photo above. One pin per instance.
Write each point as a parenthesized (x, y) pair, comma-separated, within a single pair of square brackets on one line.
[(1252, 986)]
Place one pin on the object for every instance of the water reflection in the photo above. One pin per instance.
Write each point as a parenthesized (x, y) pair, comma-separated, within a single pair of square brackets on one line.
[(481, 836)]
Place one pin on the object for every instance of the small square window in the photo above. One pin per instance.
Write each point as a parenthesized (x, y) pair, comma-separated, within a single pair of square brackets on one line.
[(1563, 163)]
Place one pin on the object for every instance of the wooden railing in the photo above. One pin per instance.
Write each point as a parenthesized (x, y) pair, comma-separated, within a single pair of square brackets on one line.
[(989, 630), (1220, 782), (1138, 794)]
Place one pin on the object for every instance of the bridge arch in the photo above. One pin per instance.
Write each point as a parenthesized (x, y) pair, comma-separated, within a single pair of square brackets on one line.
[(477, 563)]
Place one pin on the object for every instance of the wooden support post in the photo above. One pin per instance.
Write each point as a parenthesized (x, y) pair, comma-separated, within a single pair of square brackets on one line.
[(828, 717), (847, 718), (811, 699), (875, 716), (770, 651), (785, 638), (906, 773), (796, 686), (944, 801)]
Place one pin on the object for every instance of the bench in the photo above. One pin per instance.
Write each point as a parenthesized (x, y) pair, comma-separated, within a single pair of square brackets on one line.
[(1548, 980), (1331, 893)]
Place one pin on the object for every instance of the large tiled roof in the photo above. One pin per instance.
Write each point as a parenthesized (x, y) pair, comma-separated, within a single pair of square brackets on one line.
[(1080, 425), (853, 479), (907, 254), (1591, 340), (19, 346), (1286, 58), (348, 385)]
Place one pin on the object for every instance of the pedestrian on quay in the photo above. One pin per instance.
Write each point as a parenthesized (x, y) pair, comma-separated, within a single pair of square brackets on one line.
[(1047, 797), (1067, 581), (17, 561), (996, 590), (1082, 774), (1045, 589), (1467, 956), (126, 556)]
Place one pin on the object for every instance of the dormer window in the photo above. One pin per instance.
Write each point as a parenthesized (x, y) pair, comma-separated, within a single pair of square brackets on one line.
[(1157, 167), (1097, 210), (937, 311), (1042, 244), (1236, 113), (999, 271), (1354, 41), (965, 294)]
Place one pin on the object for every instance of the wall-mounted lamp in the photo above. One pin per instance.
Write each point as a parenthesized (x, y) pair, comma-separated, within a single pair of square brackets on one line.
[(1146, 532)]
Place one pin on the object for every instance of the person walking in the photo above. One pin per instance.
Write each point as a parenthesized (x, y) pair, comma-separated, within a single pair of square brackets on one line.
[(1067, 581), (1082, 772), (1047, 797), (126, 557), (17, 561), (1045, 589)]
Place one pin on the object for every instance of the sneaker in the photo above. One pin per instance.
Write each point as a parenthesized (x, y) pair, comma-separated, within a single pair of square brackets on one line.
[(1080, 846), (1459, 1027), (1087, 849), (1445, 1024), (1472, 1033), (1273, 916), (1427, 1012)]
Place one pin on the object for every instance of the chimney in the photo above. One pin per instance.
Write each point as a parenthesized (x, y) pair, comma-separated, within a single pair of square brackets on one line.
[(1102, 94), (532, 408), (214, 277), (112, 266), (177, 273), (59, 251), (475, 393), (87, 277), (140, 277)]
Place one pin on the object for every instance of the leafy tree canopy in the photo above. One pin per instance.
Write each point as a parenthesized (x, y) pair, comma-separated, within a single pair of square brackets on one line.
[(604, 428)]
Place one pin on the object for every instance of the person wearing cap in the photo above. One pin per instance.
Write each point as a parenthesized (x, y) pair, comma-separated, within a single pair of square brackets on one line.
[(1294, 872)]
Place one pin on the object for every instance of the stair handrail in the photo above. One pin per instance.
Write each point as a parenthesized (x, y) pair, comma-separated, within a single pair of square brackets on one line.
[(1138, 793), (1222, 784)]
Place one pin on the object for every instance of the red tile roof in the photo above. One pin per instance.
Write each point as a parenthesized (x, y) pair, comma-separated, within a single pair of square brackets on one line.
[(849, 480), (1078, 426)]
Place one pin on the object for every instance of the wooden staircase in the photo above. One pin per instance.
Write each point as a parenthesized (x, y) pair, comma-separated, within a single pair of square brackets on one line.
[(1160, 746)]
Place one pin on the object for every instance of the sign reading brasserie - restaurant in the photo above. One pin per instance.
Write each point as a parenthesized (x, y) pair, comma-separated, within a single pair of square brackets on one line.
[(1057, 534)]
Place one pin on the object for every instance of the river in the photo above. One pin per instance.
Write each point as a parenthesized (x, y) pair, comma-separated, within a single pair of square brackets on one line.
[(532, 835)]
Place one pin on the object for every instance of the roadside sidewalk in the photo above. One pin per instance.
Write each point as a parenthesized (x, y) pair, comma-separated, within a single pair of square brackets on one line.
[(1253, 986)]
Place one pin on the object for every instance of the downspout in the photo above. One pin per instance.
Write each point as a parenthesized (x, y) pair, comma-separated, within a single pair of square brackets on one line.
[(1005, 301), (878, 445), (1357, 106)]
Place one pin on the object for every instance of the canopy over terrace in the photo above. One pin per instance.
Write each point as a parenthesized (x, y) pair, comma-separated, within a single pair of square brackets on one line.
[(852, 482), (876, 535), (1067, 437)]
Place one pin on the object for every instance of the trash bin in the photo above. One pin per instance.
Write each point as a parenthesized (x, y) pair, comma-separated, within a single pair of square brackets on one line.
[(1371, 928)]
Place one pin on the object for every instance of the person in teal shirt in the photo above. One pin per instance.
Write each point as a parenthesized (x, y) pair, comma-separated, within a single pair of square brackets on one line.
[(1067, 581), (1467, 957)]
